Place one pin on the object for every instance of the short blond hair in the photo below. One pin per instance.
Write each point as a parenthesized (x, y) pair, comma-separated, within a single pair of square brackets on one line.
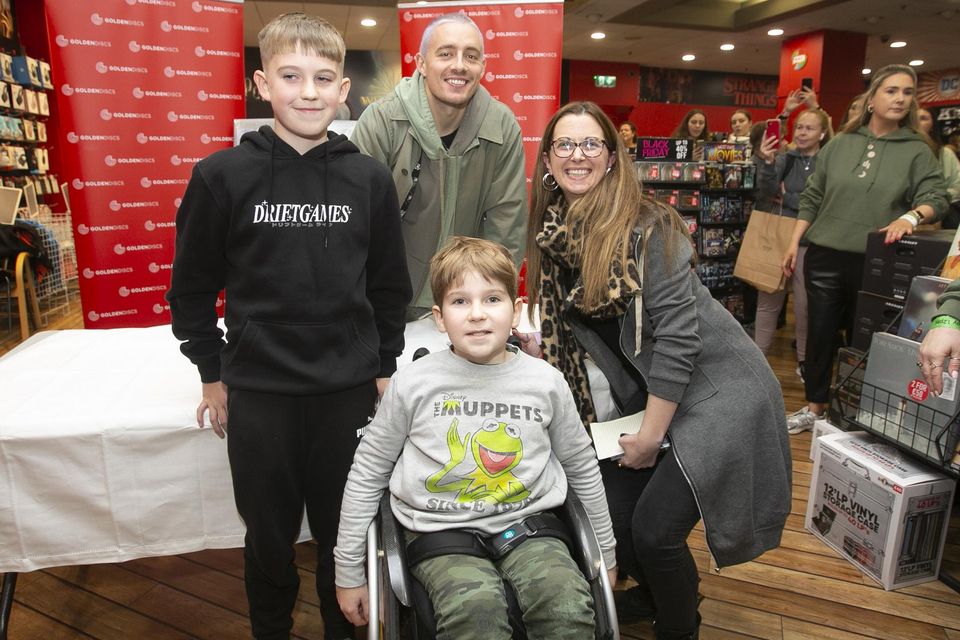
[(490, 260), (291, 31)]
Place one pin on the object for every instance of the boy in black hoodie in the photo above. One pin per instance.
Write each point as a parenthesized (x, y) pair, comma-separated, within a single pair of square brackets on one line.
[(303, 233)]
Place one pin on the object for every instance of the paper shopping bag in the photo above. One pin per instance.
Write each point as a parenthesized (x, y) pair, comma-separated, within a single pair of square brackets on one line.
[(765, 241)]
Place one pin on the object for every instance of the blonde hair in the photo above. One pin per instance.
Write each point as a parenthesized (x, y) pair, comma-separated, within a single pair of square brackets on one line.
[(823, 118), (605, 215), (291, 31), (909, 120), (447, 18), (490, 260)]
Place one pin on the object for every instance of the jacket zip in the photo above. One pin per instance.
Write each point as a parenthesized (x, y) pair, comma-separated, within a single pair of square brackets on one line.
[(673, 449)]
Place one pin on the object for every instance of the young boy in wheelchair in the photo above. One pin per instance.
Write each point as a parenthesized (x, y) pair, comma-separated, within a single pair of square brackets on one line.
[(477, 438)]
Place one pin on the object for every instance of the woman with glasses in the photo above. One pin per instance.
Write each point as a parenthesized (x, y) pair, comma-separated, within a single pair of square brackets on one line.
[(612, 273)]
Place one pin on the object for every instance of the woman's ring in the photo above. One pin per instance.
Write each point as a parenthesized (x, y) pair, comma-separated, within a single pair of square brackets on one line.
[(935, 364)]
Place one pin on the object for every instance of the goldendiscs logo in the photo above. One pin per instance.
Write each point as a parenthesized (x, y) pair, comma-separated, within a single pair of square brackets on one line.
[(95, 317)]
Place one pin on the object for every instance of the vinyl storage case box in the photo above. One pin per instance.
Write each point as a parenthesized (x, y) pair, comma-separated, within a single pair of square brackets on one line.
[(882, 511), (888, 269)]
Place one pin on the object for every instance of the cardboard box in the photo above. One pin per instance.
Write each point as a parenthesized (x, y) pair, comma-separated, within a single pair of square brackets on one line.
[(821, 428), (897, 403), (879, 509), (848, 383), (888, 269), (874, 313)]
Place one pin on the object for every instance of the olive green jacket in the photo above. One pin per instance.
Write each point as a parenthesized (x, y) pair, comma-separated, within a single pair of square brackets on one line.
[(476, 188)]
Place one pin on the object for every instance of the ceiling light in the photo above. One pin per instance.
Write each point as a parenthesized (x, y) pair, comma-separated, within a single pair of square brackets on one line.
[(865, 71), (368, 22), (688, 57), (726, 47), (598, 35), (916, 63), (775, 32), (421, 1), (898, 44)]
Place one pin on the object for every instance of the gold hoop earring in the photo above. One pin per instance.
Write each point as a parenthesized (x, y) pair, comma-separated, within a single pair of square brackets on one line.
[(549, 182), (869, 108)]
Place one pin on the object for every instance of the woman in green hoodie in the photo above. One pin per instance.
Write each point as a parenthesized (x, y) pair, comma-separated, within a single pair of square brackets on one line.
[(880, 174)]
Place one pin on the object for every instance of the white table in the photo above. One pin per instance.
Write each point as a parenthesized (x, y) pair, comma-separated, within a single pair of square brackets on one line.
[(100, 456)]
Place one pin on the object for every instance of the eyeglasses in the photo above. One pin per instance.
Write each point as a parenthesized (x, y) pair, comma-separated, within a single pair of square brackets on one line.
[(590, 147)]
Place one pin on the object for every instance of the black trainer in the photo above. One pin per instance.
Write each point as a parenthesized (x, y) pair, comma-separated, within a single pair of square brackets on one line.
[(634, 605)]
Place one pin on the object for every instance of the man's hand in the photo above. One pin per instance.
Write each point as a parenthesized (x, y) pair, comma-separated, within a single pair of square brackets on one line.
[(214, 401), (355, 604)]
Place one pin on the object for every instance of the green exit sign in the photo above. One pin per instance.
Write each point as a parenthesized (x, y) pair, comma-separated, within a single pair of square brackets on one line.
[(605, 82)]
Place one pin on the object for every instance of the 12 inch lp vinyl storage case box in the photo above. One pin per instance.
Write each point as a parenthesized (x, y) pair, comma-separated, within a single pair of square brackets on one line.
[(878, 508)]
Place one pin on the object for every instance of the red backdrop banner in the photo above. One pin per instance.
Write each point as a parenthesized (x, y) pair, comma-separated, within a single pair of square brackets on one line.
[(146, 89), (522, 45)]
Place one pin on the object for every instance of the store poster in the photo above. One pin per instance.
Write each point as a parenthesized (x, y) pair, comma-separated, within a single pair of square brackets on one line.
[(145, 90), (522, 45)]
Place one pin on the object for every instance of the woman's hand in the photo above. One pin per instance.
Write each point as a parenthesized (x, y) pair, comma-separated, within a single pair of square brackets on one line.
[(789, 263), (896, 230), (768, 149), (639, 450), (936, 346), (529, 344), (793, 101), (214, 402)]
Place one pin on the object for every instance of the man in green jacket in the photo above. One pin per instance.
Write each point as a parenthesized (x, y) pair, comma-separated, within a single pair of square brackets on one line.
[(455, 152)]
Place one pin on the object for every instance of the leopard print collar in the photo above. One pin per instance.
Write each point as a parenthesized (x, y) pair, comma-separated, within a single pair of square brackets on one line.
[(561, 290)]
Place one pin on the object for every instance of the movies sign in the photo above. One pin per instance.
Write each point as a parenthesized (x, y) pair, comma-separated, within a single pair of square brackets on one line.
[(522, 44), (147, 88)]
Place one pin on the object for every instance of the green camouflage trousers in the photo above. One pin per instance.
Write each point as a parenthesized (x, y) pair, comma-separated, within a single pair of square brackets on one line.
[(469, 602)]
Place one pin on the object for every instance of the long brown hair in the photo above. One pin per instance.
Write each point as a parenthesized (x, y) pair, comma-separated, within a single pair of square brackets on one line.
[(683, 129), (605, 215), (910, 120)]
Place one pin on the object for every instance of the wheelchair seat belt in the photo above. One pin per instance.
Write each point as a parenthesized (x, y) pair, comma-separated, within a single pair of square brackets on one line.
[(474, 543)]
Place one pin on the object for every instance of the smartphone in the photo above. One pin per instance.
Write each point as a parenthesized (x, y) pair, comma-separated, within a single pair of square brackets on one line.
[(773, 129), (806, 83)]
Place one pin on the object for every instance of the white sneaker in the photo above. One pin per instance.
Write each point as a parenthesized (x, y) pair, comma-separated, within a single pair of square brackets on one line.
[(801, 420)]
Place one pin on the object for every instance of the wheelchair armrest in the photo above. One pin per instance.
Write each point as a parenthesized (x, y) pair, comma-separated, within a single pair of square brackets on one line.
[(395, 552), (573, 513)]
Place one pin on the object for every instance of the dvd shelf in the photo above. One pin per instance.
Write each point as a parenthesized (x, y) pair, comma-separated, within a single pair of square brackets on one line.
[(715, 199), (24, 111)]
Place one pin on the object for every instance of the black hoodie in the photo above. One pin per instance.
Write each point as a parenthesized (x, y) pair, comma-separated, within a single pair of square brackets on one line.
[(310, 253)]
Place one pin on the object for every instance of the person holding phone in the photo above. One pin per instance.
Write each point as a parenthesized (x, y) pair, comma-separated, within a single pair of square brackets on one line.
[(878, 174), (694, 125), (781, 177)]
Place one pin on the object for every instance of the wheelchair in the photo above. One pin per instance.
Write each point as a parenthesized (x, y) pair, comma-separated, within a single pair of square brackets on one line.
[(399, 605)]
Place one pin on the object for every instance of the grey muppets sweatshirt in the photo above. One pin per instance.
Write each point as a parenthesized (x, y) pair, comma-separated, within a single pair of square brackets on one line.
[(472, 446)]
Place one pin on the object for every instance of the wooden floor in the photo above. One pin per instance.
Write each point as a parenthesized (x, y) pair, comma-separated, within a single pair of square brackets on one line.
[(802, 590)]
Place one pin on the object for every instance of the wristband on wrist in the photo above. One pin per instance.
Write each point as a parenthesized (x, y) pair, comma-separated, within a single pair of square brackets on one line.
[(918, 215), (945, 321), (783, 116), (909, 218)]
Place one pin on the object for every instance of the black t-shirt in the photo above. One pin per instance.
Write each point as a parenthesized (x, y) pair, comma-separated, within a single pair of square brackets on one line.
[(608, 330), (447, 140)]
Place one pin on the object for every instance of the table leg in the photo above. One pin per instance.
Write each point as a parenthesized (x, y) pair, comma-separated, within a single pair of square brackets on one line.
[(6, 601)]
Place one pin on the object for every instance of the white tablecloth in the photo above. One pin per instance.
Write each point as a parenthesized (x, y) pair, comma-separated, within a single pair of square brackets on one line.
[(100, 456)]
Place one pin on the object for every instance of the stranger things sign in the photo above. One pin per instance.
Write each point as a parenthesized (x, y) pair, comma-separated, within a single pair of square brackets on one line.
[(145, 90)]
